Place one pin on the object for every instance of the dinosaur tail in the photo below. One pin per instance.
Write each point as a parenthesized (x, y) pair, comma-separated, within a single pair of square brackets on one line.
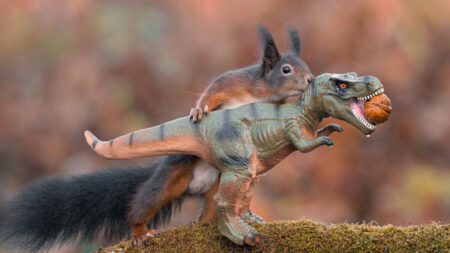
[(176, 137), (60, 209)]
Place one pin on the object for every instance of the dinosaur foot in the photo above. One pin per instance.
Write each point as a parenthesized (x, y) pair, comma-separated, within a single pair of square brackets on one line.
[(252, 218), (238, 231), (143, 239)]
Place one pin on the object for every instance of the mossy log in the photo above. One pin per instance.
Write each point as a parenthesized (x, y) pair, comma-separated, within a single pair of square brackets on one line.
[(301, 236)]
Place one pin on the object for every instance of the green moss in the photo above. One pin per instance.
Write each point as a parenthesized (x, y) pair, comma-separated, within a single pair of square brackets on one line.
[(301, 236)]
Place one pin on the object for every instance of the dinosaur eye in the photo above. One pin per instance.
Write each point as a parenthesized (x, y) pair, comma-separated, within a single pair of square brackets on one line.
[(286, 69), (343, 86)]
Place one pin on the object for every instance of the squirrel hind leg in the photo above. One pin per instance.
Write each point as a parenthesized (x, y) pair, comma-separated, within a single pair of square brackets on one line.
[(155, 198), (141, 235)]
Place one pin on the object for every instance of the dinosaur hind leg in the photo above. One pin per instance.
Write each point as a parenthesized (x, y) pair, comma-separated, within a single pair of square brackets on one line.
[(235, 182)]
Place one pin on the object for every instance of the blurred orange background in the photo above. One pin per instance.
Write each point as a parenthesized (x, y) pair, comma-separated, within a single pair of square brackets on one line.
[(118, 66)]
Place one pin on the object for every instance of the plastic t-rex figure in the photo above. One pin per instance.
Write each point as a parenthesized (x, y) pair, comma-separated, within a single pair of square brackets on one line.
[(246, 142)]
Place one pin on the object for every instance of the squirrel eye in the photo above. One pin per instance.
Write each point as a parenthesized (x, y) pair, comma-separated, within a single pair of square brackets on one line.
[(343, 86), (286, 69)]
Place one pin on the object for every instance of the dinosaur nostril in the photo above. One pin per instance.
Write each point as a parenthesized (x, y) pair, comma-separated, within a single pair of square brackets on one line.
[(309, 78)]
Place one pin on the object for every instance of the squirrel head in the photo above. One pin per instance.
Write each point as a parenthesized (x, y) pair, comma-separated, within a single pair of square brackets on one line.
[(286, 74)]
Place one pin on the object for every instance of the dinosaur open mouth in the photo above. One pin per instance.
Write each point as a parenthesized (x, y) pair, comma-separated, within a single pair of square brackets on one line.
[(357, 106)]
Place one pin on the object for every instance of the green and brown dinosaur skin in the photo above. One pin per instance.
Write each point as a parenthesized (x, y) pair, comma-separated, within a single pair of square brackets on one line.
[(246, 142)]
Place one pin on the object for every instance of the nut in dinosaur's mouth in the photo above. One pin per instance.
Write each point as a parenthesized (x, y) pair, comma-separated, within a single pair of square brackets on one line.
[(375, 111)]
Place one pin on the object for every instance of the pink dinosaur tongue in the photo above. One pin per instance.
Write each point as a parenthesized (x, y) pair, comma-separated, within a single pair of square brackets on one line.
[(358, 108)]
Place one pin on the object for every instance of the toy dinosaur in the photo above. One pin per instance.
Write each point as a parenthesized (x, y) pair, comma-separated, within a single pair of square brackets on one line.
[(245, 142)]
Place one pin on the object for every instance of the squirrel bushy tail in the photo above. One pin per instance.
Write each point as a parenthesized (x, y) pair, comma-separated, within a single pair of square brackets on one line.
[(58, 209)]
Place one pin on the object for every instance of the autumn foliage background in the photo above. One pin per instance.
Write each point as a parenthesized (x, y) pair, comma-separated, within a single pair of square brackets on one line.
[(118, 66)]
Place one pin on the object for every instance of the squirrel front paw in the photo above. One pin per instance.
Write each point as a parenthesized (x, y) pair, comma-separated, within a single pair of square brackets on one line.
[(198, 113)]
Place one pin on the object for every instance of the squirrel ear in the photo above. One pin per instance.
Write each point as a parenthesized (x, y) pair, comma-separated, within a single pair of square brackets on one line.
[(270, 52), (295, 41)]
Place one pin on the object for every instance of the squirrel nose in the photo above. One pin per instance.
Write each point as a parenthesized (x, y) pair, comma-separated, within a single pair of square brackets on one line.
[(309, 78)]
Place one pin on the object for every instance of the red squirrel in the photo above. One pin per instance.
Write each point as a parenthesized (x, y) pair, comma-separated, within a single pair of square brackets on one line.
[(277, 77), (112, 202)]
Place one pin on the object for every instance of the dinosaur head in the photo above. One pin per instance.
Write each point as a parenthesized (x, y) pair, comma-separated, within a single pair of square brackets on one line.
[(342, 96)]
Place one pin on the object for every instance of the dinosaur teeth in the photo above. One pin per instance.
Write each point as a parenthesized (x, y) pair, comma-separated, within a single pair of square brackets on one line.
[(371, 95)]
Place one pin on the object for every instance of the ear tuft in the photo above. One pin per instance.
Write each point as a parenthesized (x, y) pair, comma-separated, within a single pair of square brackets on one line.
[(295, 41), (270, 51)]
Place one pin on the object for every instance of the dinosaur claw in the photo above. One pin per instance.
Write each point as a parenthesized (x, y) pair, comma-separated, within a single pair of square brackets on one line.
[(257, 237), (337, 127), (249, 240), (328, 141), (250, 217)]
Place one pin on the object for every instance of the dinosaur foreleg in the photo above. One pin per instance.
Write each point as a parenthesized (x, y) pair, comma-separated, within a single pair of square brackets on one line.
[(326, 131), (234, 184), (297, 136), (305, 146)]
